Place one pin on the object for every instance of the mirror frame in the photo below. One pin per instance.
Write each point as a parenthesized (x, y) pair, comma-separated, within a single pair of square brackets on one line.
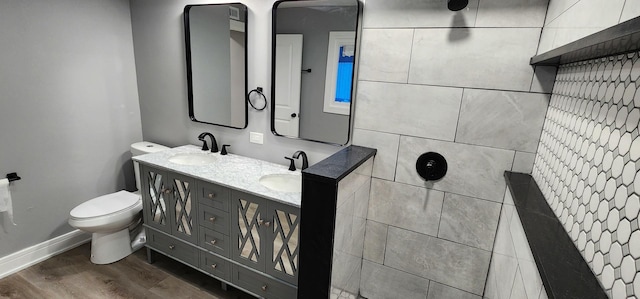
[(354, 76), (187, 40)]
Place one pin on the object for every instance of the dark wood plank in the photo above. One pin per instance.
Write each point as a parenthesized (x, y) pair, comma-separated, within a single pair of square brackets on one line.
[(71, 275)]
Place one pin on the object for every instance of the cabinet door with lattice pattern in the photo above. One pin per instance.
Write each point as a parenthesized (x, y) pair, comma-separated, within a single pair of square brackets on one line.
[(282, 241), (248, 221), (183, 208), (155, 198)]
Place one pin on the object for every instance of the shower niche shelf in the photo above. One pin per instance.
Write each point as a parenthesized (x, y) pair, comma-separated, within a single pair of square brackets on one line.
[(621, 38)]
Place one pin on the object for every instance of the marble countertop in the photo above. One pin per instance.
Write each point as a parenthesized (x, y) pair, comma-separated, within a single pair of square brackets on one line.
[(233, 171)]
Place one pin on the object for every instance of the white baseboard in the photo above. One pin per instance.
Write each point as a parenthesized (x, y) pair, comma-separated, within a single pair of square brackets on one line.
[(37, 253)]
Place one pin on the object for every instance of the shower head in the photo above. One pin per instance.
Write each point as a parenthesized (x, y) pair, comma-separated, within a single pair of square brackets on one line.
[(455, 5)]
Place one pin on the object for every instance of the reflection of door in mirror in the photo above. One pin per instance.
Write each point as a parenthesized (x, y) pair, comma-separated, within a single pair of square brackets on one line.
[(288, 65), (215, 37), (314, 21)]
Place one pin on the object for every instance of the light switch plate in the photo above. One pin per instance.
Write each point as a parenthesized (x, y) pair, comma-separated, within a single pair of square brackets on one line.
[(255, 137)]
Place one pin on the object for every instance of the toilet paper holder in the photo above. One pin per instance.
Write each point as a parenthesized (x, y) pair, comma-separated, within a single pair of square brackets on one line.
[(13, 177)]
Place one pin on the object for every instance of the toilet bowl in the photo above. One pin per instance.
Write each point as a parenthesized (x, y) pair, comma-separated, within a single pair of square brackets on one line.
[(114, 219)]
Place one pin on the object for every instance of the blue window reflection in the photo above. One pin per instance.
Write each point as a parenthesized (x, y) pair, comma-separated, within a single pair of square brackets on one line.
[(345, 72)]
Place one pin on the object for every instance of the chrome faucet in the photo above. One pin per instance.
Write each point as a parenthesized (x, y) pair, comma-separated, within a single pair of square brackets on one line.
[(305, 161), (214, 144)]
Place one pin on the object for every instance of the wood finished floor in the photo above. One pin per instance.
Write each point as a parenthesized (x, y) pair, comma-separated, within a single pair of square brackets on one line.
[(72, 275)]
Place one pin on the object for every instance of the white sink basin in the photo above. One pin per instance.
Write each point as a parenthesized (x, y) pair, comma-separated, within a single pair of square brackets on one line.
[(282, 182), (193, 159)]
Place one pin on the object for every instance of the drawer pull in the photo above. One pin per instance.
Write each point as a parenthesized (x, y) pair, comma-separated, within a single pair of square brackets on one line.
[(166, 191), (172, 247), (264, 287), (212, 195), (214, 266), (212, 219), (265, 223), (214, 241)]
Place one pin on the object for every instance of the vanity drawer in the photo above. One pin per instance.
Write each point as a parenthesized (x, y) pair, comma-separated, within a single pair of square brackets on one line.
[(172, 247), (261, 285), (215, 265), (214, 219), (214, 196), (214, 241)]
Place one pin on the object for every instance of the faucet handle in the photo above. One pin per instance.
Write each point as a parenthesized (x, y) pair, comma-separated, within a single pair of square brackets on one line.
[(292, 166), (205, 147), (224, 149)]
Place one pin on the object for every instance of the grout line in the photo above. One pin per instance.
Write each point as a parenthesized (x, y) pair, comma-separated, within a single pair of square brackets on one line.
[(622, 11), (455, 134), (450, 86), (413, 40)]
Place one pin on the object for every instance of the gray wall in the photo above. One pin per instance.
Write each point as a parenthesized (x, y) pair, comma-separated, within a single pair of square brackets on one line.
[(459, 84), (68, 110), (158, 36), (315, 26)]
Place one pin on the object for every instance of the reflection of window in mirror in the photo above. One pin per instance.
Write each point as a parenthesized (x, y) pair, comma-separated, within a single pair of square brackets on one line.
[(340, 54)]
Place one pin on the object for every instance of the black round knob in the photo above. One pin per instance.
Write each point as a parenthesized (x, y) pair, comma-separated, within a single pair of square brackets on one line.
[(431, 166), (293, 115)]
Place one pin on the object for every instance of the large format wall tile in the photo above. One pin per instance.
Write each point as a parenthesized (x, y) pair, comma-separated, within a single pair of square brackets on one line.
[(454, 264), (375, 240), (382, 282), (425, 111), (511, 13), (631, 10), (385, 55), (409, 207), (384, 164), (502, 119), (493, 58), (469, 221), (472, 170), (416, 13), (557, 7), (440, 291), (523, 162)]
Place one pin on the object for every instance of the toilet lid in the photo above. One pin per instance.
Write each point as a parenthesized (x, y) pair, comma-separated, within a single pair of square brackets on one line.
[(105, 205)]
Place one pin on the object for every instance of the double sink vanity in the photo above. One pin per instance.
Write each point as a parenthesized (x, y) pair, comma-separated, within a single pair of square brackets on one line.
[(232, 217)]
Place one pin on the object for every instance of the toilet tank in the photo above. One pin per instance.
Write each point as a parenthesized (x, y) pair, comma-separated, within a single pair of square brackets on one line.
[(141, 148)]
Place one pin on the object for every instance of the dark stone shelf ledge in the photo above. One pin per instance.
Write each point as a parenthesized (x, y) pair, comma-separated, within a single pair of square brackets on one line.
[(564, 272), (621, 38)]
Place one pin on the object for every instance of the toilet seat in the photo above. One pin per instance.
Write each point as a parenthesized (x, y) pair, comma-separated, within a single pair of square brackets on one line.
[(105, 205), (105, 213)]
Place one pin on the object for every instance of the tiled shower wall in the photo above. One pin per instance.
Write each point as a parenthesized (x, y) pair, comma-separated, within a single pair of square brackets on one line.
[(588, 161), (570, 20), (351, 216), (459, 84)]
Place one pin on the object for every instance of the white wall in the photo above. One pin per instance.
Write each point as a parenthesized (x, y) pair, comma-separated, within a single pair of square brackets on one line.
[(68, 110), (158, 34), (570, 20)]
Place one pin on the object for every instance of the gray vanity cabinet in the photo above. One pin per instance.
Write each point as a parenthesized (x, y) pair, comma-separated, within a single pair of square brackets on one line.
[(265, 235), (168, 203), (248, 229), (242, 239)]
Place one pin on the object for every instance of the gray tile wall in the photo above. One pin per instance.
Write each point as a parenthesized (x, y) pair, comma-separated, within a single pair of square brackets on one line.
[(588, 165), (348, 241), (513, 273), (459, 84), (570, 20)]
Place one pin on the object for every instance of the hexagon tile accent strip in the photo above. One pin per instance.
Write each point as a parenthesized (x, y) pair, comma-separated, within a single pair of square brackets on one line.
[(588, 163)]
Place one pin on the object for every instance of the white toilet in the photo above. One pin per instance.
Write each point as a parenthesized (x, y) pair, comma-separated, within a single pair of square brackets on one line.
[(114, 219)]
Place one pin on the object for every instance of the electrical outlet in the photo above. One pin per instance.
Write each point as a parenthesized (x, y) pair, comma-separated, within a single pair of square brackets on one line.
[(255, 137)]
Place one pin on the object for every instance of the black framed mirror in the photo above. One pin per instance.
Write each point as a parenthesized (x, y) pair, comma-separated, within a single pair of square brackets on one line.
[(216, 53), (314, 68)]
